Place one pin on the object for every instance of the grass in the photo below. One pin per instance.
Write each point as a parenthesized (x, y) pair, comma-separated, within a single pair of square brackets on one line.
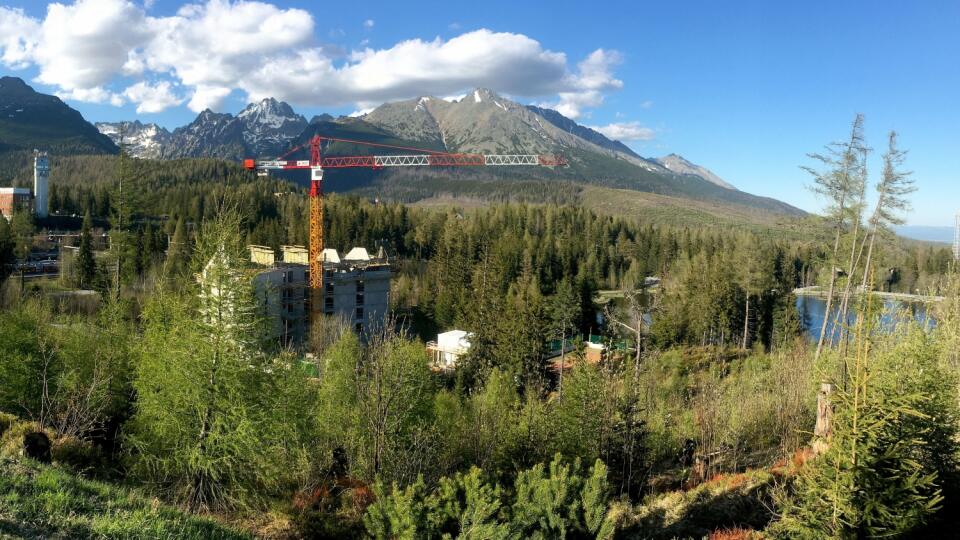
[(726, 507), (38, 501), (643, 207)]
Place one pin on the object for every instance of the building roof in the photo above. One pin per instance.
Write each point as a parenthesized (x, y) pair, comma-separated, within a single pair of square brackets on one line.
[(357, 254), (15, 191), (330, 255)]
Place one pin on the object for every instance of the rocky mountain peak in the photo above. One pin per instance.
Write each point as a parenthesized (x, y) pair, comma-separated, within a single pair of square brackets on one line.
[(681, 165), (481, 95)]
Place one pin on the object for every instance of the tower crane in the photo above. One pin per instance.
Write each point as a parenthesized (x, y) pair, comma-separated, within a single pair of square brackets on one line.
[(421, 158)]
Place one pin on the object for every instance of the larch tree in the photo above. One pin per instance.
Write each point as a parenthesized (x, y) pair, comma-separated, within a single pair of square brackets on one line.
[(838, 183), (892, 191), (178, 250), (564, 312), (213, 427)]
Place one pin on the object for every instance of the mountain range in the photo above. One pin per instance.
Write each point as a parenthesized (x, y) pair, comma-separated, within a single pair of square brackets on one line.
[(261, 129), (480, 122)]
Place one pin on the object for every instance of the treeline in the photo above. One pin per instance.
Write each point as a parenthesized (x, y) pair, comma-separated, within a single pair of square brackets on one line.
[(160, 193)]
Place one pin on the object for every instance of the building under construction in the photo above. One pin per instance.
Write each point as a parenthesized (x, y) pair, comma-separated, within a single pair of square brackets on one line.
[(356, 289)]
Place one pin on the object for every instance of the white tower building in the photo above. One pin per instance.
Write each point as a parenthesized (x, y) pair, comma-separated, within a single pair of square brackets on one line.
[(956, 239), (41, 182)]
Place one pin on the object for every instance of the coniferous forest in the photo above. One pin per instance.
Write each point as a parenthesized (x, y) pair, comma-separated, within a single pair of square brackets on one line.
[(716, 410)]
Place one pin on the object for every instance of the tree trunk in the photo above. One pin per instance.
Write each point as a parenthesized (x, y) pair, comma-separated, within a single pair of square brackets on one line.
[(833, 282), (866, 267), (746, 323), (563, 340), (840, 324)]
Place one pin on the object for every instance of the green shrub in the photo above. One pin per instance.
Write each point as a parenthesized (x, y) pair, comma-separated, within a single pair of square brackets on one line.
[(559, 501), (78, 455)]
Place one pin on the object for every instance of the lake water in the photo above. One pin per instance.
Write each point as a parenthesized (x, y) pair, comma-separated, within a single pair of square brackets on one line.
[(812, 308)]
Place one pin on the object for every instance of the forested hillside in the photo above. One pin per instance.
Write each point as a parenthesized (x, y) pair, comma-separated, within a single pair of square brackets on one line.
[(695, 420)]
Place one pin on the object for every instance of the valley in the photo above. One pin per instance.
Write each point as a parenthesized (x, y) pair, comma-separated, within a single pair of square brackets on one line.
[(284, 271)]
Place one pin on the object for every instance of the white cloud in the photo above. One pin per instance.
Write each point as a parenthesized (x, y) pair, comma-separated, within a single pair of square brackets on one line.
[(587, 87), (86, 44), (209, 49), (96, 94), (17, 33), (646, 104), (510, 63), (369, 23), (208, 97), (626, 131), (361, 112), (152, 98)]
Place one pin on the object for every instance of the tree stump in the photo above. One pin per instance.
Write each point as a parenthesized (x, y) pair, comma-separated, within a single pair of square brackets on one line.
[(823, 430), (36, 445)]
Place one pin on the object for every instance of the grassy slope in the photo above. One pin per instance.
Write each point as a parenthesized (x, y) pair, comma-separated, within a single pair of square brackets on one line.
[(39, 501), (688, 212), (657, 209), (736, 504)]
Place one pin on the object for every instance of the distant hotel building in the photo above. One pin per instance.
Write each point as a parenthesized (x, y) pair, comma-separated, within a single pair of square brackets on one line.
[(14, 200), (356, 287)]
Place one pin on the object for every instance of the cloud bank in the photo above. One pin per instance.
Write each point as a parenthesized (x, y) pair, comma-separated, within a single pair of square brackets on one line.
[(114, 51), (626, 131)]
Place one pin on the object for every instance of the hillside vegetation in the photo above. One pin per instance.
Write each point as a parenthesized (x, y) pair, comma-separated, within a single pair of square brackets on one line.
[(41, 501)]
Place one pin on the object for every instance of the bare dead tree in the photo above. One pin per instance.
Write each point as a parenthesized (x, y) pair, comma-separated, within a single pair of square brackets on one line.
[(634, 320)]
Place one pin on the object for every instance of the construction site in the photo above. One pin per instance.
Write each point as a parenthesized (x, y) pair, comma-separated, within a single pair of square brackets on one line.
[(308, 283)]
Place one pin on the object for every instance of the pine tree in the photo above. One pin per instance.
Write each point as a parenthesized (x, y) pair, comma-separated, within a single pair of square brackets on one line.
[(86, 266), (564, 312)]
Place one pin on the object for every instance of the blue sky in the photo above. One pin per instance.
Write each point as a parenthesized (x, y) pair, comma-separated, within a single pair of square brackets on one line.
[(745, 89)]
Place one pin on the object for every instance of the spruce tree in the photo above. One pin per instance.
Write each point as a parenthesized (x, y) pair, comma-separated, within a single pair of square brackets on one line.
[(7, 248), (892, 448), (86, 266)]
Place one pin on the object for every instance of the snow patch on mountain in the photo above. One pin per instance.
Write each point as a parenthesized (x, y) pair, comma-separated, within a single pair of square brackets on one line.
[(146, 141)]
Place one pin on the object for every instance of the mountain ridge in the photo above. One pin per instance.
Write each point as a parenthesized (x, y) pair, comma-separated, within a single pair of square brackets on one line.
[(481, 122), (29, 120), (681, 165)]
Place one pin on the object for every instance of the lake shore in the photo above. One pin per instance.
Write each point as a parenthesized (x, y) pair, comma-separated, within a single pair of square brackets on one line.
[(819, 292)]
